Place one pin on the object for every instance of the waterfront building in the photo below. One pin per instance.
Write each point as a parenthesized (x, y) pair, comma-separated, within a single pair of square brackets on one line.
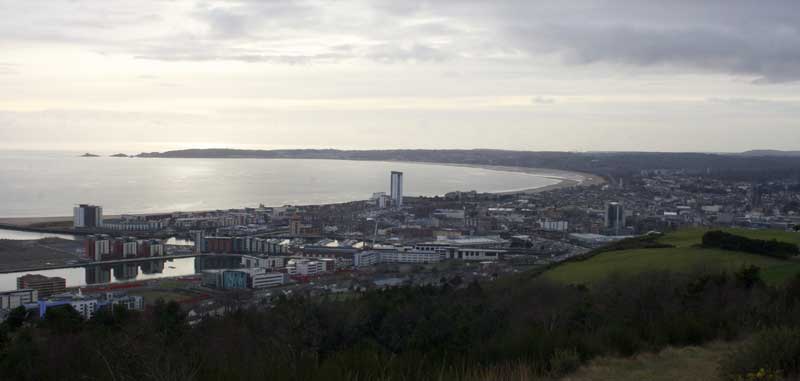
[(133, 225), (95, 247), (45, 286), (13, 299), (396, 190), (265, 262), (87, 216)]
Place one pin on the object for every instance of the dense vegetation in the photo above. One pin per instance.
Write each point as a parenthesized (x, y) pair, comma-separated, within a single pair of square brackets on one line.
[(728, 241), (522, 328)]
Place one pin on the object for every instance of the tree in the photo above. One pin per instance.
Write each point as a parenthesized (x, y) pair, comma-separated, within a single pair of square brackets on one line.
[(63, 319), (16, 318), (168, 318), (748, 277)]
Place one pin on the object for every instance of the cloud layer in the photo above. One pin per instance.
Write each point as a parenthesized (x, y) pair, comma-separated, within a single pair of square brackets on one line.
[(611, 73)]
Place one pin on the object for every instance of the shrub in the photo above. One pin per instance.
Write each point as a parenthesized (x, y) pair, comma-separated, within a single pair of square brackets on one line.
[(564, 361), (772, 352)]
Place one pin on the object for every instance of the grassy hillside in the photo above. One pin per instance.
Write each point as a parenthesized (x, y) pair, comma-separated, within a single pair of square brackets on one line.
[(688, 363), (684, 257)]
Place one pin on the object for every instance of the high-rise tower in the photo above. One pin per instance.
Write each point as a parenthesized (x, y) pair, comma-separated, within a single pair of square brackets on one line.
[(397, 189)]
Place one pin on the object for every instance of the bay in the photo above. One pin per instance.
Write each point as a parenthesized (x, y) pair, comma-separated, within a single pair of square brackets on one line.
[(40, 183)]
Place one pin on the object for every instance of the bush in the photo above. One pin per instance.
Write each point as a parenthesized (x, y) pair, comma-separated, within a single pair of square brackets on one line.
[(564, 361), (774, 352)]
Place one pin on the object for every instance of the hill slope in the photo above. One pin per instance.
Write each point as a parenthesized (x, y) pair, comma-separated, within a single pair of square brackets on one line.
[(684, 257)]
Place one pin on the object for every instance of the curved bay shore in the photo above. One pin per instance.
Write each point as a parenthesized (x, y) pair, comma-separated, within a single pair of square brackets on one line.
[(565, 179)]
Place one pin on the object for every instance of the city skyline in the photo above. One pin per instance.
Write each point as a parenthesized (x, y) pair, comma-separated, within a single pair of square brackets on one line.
[(712, 76)]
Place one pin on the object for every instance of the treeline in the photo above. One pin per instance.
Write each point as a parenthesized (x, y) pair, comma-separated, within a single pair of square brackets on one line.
[(521, 328), (726, 241)]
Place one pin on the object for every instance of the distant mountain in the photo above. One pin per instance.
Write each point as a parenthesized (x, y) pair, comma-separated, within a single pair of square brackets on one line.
[(770, 152), (119, 155), (89, 155)]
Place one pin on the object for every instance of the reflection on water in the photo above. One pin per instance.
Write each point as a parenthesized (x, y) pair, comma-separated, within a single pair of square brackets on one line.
[(129, 271), (21, 235)]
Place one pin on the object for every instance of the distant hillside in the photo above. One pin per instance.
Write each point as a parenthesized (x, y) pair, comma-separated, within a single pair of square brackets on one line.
[(611, 164), (686, 256), (771, 153)]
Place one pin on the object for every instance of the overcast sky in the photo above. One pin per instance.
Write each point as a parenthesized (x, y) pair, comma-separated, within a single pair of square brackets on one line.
[(526, 75)]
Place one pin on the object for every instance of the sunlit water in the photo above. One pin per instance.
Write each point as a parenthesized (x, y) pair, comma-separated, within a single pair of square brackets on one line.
[(50, 183)]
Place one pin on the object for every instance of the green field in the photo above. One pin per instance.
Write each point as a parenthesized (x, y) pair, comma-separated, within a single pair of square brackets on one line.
[(684, 257)]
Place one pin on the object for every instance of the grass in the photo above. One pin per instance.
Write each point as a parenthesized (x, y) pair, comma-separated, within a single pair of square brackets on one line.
[(688, 363), (684, 257)]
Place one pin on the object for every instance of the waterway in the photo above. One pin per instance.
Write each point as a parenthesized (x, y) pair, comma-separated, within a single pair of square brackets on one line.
[(126, 272)]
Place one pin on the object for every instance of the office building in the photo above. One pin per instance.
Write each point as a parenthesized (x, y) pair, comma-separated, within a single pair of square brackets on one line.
[(305, 267), (87, 306), (260, 278), (87, 216), (396, 191), (615, 216), (45, 286)]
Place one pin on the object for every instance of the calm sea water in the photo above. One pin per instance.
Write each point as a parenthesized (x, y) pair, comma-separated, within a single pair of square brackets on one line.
[(81, 276), (50, 183)]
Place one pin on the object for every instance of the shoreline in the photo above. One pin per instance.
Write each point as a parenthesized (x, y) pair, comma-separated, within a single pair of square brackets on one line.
[(566, 179)]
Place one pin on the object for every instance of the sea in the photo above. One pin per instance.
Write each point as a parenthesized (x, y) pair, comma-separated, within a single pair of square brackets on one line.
[(45, 184)]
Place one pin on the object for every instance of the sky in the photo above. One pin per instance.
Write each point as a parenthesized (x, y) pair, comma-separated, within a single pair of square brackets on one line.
[(593, 75)]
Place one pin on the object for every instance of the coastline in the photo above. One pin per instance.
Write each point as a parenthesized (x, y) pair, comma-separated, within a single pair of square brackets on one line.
[(566, 179)]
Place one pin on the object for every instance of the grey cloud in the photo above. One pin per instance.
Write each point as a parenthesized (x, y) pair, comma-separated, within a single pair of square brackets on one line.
[(760, 40), (756, 40), (769, 57)]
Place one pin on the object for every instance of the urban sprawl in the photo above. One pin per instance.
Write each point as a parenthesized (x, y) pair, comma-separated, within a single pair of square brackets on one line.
[(250, 256)]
